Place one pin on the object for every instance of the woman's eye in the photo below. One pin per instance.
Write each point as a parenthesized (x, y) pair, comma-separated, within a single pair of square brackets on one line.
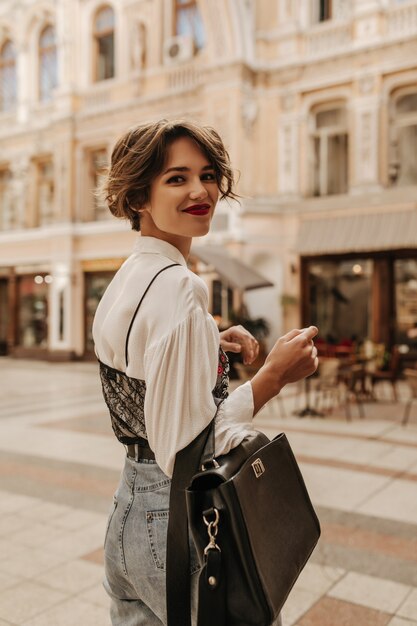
[(209, 176), (176, 179)]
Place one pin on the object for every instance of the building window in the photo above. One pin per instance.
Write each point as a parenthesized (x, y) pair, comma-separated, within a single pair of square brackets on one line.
[(104, 44), (97, 165), (329, 152), (7, 215), (325, 10), (403, 148), (33, 311), (8, 90), (188, 22), (48, 71), (45, 192)]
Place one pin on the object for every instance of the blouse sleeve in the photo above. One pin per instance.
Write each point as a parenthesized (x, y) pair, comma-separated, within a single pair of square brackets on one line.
[(180, 374)]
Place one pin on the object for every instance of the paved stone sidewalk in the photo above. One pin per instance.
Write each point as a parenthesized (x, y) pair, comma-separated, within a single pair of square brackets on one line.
[(59, 466)]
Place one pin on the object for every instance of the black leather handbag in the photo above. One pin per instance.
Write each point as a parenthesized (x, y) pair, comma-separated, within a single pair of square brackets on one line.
[(253, 526)]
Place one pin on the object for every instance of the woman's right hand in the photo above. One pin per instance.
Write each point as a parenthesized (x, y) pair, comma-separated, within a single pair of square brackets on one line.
[(293, 357)]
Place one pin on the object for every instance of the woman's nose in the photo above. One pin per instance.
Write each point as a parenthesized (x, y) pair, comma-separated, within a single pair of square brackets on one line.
[(198, 191)]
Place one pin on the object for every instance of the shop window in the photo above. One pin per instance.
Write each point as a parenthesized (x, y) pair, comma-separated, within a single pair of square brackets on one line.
[(339, 300), (45, 192), (8, 89), (104, 44), (403, 146), (33, 311), (4, 315), (188, 22), (405, 276), (7, 214), (329, 152), (96, 284), (97, 165), (222, 301), (48, 71)]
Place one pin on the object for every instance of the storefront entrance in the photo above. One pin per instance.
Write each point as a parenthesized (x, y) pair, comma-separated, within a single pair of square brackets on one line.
[(32, 320), (354, 298)]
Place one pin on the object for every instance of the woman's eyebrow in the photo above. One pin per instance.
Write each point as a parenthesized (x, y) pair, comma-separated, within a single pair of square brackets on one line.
[(186, 169)]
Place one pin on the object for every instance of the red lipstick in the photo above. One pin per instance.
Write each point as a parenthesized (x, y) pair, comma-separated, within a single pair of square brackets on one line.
[(197, 209)]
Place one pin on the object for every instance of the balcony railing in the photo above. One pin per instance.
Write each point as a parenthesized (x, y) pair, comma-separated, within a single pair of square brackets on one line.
[(329, 38), (183, 77), (402, 20)]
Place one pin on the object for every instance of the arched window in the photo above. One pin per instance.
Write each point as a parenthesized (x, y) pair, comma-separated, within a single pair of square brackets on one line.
[(188, 21), (329, 151), (48, 74), (7, 77), (403, 148), (104, 44)]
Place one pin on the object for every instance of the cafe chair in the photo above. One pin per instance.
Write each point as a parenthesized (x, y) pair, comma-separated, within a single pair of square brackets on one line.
[(410, 376), (327, 385), (390, 375)]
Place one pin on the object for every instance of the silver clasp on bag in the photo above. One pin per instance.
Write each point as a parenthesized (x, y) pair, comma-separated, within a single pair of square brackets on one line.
[(212, 530), (213, 463)]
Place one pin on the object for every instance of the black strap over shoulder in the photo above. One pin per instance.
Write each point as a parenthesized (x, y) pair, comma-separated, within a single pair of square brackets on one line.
[(187, 462), (137, 308), (178, 594)]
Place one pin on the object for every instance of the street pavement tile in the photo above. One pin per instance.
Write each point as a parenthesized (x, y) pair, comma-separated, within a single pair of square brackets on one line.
[(299, 601), (31, 562), (397, 458), (96, 556), (77, 519), (331, 612), (73, 611), (369, 591), (11, 503), (409, 607), (396, 501), (399, 621), (96, 595), (318, 578), (35, 535), (27, 599), (380, 543), (73, 576), (11, 523), (46, 511), (7, 580), (9, 550), (340, 488), (77, 543)]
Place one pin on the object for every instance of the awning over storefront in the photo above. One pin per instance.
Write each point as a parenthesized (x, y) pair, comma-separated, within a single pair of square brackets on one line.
[(358, 233), (231, 270)]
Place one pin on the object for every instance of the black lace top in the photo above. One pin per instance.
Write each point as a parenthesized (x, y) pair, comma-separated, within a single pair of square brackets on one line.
[(125, 398)]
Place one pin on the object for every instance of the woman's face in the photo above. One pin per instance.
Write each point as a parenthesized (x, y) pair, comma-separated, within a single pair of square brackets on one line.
[(183, 197)]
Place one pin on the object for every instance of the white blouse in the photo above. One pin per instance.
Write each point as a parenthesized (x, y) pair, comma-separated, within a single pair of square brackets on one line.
[(173, 347)]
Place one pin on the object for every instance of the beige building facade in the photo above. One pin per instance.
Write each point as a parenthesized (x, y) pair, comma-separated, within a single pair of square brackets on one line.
[(317, 103)]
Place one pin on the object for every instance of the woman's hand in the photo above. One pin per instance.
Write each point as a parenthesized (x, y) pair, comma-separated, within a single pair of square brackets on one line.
[(238, 339), (293, 357)]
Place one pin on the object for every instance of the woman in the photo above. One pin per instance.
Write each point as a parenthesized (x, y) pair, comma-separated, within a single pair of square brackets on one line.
[(160, 360)]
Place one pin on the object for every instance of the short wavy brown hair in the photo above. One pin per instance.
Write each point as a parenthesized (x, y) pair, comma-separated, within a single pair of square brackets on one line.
[(140, 155)]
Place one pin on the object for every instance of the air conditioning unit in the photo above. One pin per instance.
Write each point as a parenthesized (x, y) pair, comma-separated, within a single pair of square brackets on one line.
[(178, 49)]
